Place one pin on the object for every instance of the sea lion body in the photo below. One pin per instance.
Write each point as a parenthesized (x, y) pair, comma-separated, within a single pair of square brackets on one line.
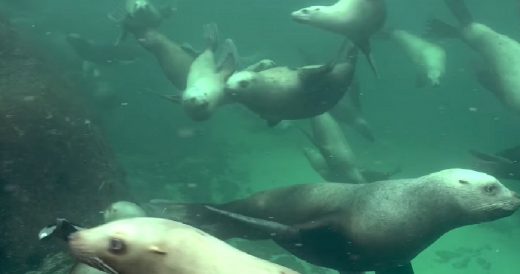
[(101, 54), (500, 53), (159, 246), (358, 20), (429, 58), (380, 226), (334, 150), (173, 59), (281, 93)]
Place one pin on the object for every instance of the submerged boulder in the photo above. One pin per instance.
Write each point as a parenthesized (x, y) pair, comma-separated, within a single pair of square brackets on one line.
[(54, 161)]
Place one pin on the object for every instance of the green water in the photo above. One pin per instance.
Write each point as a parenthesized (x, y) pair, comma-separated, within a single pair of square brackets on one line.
[(421, 130)]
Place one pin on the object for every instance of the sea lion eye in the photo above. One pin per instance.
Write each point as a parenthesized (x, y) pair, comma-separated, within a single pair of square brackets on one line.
[(490, 189), (464, 182), (243, 84), (116, 246)]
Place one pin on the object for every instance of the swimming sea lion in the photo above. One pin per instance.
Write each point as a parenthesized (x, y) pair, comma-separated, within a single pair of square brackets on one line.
[(207, 78), (500, 53), (358, 20), (354, 228), (160, 246), (174, 60), (504, 164), (348, 110), (428, 57), (101, 54), (122, 210), (139, 16), (336, 153), (281, 93)]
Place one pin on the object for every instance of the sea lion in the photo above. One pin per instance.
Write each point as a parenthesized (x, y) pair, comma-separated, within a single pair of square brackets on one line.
[(358, 20), (174, 60), (207, 78), (500, 53), (354, 228), (504, 164), (281, 93), (101, 54), (143, 22), (122, 210), (160, 246), (348, 110), (139, 16), (428, 57), (335, 152)]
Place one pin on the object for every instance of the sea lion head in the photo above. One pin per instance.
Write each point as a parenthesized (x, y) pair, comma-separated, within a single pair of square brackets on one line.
[(198, 103), (478, 196), (240, 83), (125, 246), (122, 210), (307, 14)]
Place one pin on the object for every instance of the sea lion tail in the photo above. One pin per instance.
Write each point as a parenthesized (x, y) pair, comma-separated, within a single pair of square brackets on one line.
[(460, 11)]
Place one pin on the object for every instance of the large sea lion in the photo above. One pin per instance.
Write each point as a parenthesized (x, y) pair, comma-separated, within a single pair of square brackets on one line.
[(281, 93), (428, 57), (337, 162), (160, 246), (358, 20), (207, 78), (500, 53), (354, 228)]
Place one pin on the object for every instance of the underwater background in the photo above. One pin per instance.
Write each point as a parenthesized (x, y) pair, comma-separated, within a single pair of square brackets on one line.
[(163, 154)]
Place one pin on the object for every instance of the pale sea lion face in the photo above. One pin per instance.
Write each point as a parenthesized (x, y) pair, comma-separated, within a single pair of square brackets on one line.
[(125, 246), (306, 14), (480, 196), (197, 103), (240, 83)]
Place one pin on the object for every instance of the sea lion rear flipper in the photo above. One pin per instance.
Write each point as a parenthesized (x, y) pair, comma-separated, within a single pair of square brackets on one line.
[(228, 60), (188, 48), (317, 162), (211, 35), (402, 269), (273, 122), (365, 47), (62, 229)]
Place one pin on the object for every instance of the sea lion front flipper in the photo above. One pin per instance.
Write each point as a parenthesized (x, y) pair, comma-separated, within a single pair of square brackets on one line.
[(317, 162), (402, 269), (62, 229), (189, 49), (274, 229), (490, 158)]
